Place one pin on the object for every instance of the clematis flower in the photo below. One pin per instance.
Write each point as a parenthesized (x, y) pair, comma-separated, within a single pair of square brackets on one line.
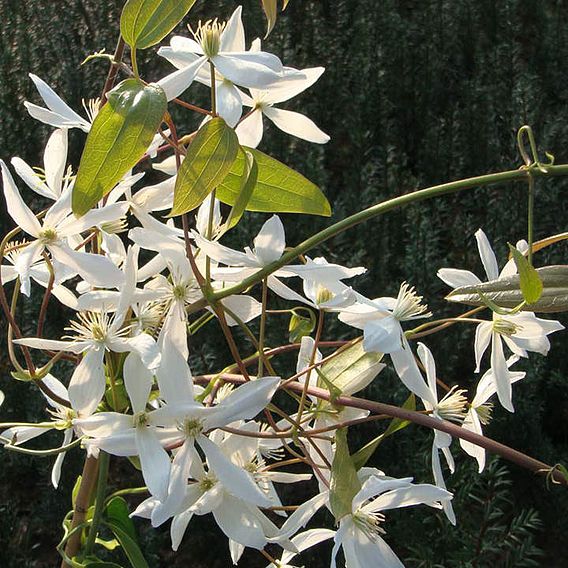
[(479, 412), (453, 408), (359, 533), (380, 319), (222, 44), (57, 226), (302, 542), (62, 418), (262, 101)]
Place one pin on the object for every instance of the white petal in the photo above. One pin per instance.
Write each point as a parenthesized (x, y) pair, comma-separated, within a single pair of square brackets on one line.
[(306, 540), (229, 104), (239, 524), (439, 480), (32, 180), (408, 372), (235, 480), (21, 434), (248, 69), (250, 129), (23, 265), (296, 124), (177, 82), (95, 269), (233, 36), (457, 278), (87, 385), (501, 374), (154, 460), (16, 207), (56, 471), (472, 423), (293, 83), (483, 334), (138, 382), (221, 253), (55, 159), (246, 308), (179, 525), (51, 344), (487, 255), (270, 242), (408, 496), (301, 516)]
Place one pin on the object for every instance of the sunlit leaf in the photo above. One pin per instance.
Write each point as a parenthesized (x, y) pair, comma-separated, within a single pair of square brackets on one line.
[(208, 161), (279, 189), (270, 8), (529, 280), (121, 133), (144, 23)]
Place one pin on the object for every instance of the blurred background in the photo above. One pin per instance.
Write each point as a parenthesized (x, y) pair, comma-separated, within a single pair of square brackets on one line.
[(415, 93)]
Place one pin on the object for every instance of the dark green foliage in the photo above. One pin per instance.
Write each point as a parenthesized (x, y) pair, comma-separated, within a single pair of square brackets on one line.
[(415, 94)]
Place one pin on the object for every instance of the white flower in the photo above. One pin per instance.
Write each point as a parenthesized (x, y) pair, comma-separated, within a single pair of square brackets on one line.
[(360, 532), (480, 410), (57, 226), (380, 319), (222, 45)]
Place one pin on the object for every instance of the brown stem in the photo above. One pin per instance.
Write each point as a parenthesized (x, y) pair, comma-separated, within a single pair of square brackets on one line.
[(82, 502), (46, 296), (113, 70), (492, 446)]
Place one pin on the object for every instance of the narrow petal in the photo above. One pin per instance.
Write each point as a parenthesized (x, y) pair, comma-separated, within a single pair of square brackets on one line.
[(270, 242), (408, 372), (456, 278), (237, 522), (16, 207), (483, 334), (138, 382), (472, 423), (250, 129), (55, 159), (487, 256), (178, 528), (439, 481), (501, 374), (87, 385), (31, 179), (293, 83), (296, 124), (229, 104), (177, 82), (221, 253), (233, 36), (56, 471), (154, 460), (23, 265), (246, 308)]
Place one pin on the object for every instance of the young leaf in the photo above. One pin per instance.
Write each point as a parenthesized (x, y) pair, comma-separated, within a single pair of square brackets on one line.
[(208, 161), (129, 545), (279, 189), (531, 284), (353, 369), (121, 133), (144, 23), (344, 481), (270, 8), (506, 292), (362, 455), (300, 325)]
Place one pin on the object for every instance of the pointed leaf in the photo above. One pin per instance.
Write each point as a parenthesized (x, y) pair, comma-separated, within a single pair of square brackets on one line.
[(530, 282), (117, 512), (279, 189), (121, 132), (208, 161), (248, 182), (300, 325), (144, 23), (362, 456), (344, 481), (506, 292), (129, 545), (270, 8)]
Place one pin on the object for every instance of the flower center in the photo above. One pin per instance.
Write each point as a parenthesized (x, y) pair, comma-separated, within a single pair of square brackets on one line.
[(409, 304), (369, 523), (48, 236), (192, 427), (484, 412), (208, 35), (505, 327), (207, 483), (323, 295), (453, 406), (140, 419)]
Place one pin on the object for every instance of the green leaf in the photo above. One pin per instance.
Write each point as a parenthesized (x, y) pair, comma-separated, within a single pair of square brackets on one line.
[(300, 325), (117, 512), (248, 182), (506, 292), (129, 545), (144, 23), (101, 564), (121, 133), (208, 161), (531, 284), (344, 481), (352, 369), (362, 456), (279, 189)]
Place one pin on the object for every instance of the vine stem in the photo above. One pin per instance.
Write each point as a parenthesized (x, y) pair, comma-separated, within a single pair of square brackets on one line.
[(454, 430), (375, 211), (104, 462)]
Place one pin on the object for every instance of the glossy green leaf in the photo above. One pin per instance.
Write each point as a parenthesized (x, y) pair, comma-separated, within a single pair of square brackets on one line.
[(344, 481), (117, 512), (279, 189), (129, 545), (506, 292), (362, 456), (144, 23), (208, 161), (352, 369), (248, 183), (121, 133), (529, 280)]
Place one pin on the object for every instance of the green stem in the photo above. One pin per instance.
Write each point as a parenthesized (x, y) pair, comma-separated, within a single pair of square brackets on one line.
[(134, 62), (375, 211), (530, 220), (213, 89), (104, 460), (262, 327)]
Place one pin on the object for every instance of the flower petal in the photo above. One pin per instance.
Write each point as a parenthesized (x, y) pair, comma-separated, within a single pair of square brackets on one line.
[(487, 255), (296, 124), (250, 130), (87, 385)]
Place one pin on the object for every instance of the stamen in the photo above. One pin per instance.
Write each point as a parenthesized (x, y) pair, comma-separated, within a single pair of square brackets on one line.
[(369, 523), (505, 327), (208, 35), (409, 304), (453, 406)]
